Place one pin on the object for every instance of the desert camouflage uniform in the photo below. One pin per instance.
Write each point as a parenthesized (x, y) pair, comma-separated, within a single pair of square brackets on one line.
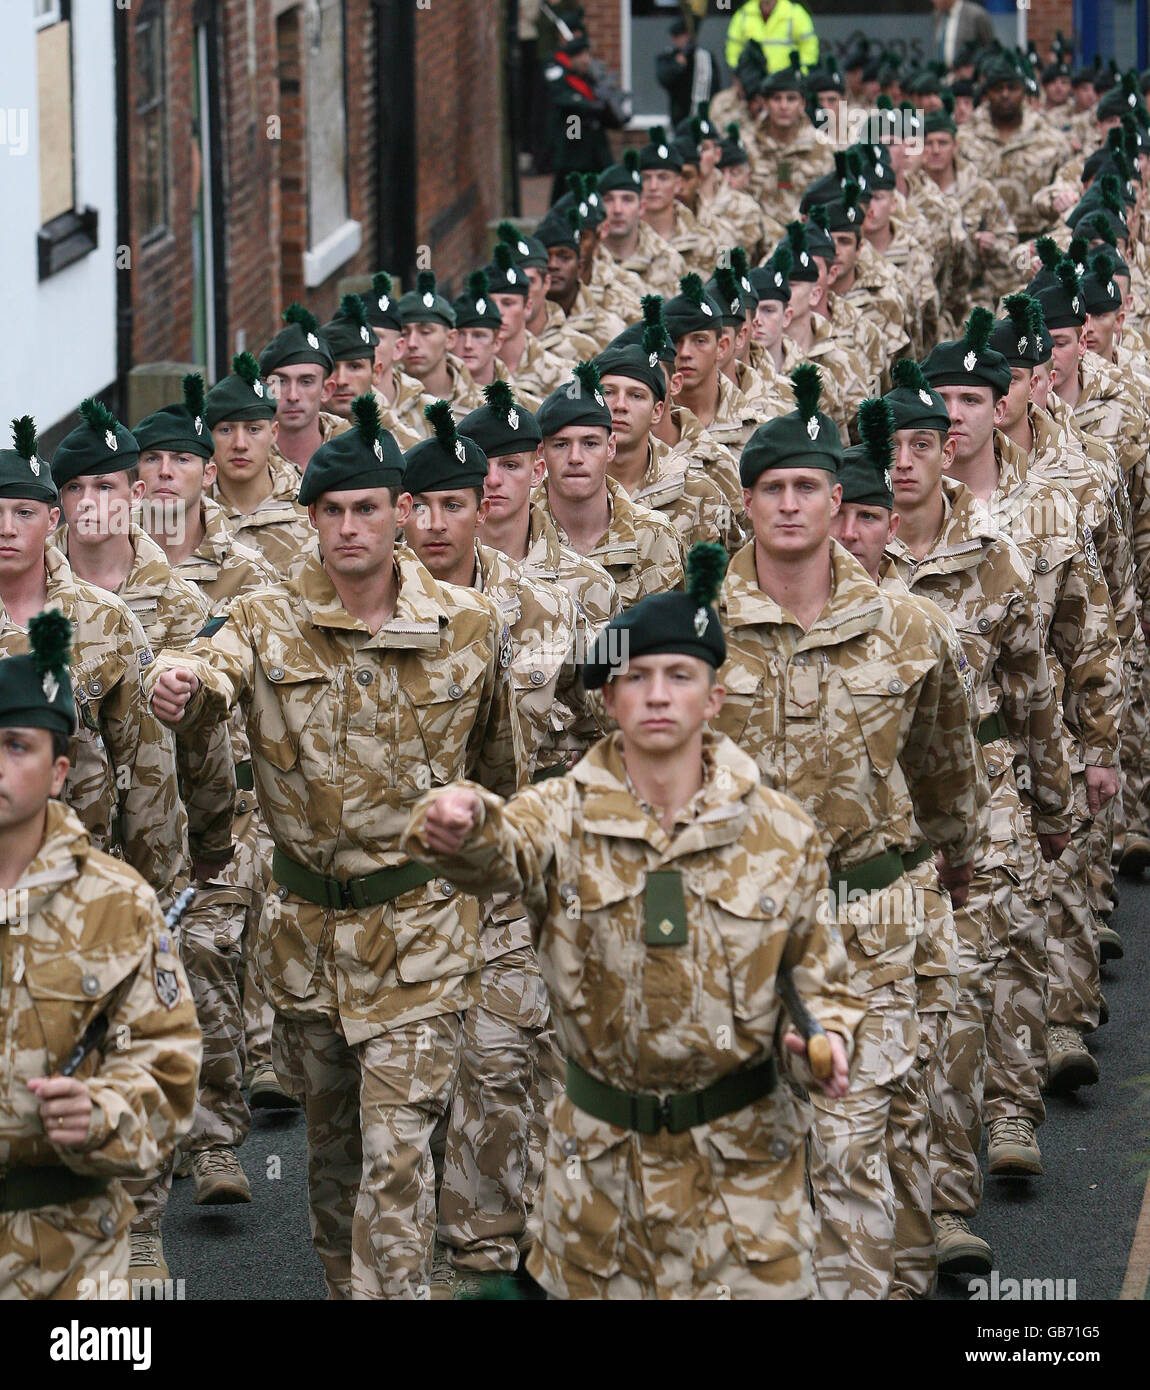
[(719, 1210), (780, 173), (861, 337), (655, 263), (123, 761), (700, 449), (698, 245), (945, 239), (525, 397), (89, 938), (486, 1191), (1018, 165), (587, 318), (588, 583), (727, 106), (844, 374), (347, 729), (878, 295), (907, 255), (865, 720), (329, 426), (619, 290), (539, 372), (404, 419), (465, 394), (278, 528), (981, 581), (1042, 518), (736, 418), (640, 549), (691, 500), (981, 208), (752, 230)]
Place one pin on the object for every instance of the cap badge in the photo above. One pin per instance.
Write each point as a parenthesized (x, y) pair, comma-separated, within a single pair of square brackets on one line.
[(199, 424), (377, 449), (878, 171), (778, 277), (652, 359), (1079, 268), (700, 621), (1131, 99), (970, 361), (583, 209), (384, 304), (460, 450), (481, 305), (50, 686), (887, 479), (111, 441), (34, 465), (365, 333), (523, 248), (662, 152), (1076, 304), (313, 341), (258, 388), (429, 300), (1022, 343), (734, 306), (925, 397), (513, 419), (1110, 289), (510, 274), (852, 213), (813, 427), (804, 259)]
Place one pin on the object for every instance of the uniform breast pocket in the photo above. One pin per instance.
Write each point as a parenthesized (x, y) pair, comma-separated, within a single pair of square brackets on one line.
[(881, 694), (608, 905), (68, 993), (94, 682), (434, 714), (746, 918), (744, 688), (292, 713), (589, 1180)]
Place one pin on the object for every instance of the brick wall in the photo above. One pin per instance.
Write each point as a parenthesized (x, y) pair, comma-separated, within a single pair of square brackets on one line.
[(1045, 19), (604, 31), (458, 132)]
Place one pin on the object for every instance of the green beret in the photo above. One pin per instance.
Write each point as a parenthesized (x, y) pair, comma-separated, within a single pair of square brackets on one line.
[(364, 456), (299, 342), (864, 473), (915, 404), (1018, 337), (699, 127), (526, 250), (723, 289), (559, 229), (1062, 303), (349, 334), (692, 309), (998, 70), (803, 438), (741, 267), (181, 429), (651, 334), (25, 476), (241, 395), (446, 461), (825, 77), (659, 152), (624, 175), (846, 213), (475, 308), (674, 622), (803, 269), (502, 426), (773, 280), (35, 687), (100, 444), (631, 361), (577, 402), (732, 151), (820, 243), (1101, 294), (1118, 100), (942, 120), (504, 276), (969, 360), (424, 305), (788, 79), (382, 306)]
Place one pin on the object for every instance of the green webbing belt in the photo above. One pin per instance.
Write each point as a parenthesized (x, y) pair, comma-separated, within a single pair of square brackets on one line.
[(992, 727), (541, 774), (245, 777), (368, 891), (24, 1189), (869, 876), (917, 856), (648, 1114)]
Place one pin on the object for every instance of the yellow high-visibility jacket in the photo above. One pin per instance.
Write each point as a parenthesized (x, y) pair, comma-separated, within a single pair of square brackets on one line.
[(789, 26)]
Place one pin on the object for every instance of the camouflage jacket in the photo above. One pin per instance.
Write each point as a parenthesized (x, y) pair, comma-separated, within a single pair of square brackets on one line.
[(766, 395), (693, 501), (844, 375), (592, 588), (878, 295), (1018, 164), (619, 290), (122, 782), (752, 230), (736, 418), (982, 209), (278, 528), (700, 449), (583, 331), (907, 255), (663, 1019), (91, 939), (172, 612), (329, 426), (780, 173), (640, 549), (655, 263), (981, 581), (874, 728), (698, 244), (571, 344), (404, 419), (523, 395), (861, 337), (1043, 519), (348, 728), (465, 395), (538, 372)]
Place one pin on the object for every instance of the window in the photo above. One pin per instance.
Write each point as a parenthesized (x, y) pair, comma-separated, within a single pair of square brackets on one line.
[(332, 237), (151, 126), (66, 233), (46, 12)]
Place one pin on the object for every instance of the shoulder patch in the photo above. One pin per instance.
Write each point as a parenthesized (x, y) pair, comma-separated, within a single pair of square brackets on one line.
[(167, 987), (1091, 552), (212, 626), (145, 656), (505, 647)]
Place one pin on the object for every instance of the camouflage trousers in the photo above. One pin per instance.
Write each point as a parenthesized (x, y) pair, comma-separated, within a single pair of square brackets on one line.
[(48, 1252), (258, 1017), (548, 1081), (1135, 753), (1100, 887), (371, 1108), (908, 1153), (1072, 936), (483, 1198), (851, 1144)]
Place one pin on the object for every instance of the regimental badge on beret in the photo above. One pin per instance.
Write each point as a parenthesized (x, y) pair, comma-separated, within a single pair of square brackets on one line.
[(111, 441), (50, 686), (510, 274), (925, 397), (583, 209), (199, 423), (888, 480), (804, 259), (813, 427), (313, 341), (778, 277), (1022, 343), (384, 304), (523, 248), (1110, 289), (513, 419), (598, 395), (481, 306), (746, 284), (734, 306), (662, 151), (429, 300), (460, 450), (706, 308), (258, 387), (34, 465), (970, 360), (365, 333), (377, 449), (1076, 304), (652, 359), (700, 621), (1131, 99), (852, 213)]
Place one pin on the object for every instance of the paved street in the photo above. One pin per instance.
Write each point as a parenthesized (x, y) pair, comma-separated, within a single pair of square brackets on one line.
[(1075, 1223)]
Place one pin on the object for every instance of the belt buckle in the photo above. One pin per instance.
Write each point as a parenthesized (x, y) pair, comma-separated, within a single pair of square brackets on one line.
[(663, 1115), (346, 895)]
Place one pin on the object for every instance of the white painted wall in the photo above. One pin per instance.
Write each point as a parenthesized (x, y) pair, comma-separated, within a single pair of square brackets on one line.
[(57, 336)]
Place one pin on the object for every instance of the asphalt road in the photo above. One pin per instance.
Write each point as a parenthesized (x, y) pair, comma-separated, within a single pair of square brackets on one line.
[(1075, 1223)]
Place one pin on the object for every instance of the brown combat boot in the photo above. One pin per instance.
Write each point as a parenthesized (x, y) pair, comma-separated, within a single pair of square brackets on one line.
[(960, 1251), (1012, 1149), (220, 1181), (1069, 1063)]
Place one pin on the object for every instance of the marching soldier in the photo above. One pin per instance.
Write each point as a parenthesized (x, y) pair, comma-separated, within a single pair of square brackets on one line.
[(298, 366), (362, 684), (100, 1083), (662, 868)]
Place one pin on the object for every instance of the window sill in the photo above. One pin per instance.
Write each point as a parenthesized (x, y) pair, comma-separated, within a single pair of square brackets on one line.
[(335, 250), (65, 240)]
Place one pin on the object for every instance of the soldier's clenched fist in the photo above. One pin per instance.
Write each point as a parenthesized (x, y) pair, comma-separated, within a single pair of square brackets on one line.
[(173, 691), (451, 818)]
